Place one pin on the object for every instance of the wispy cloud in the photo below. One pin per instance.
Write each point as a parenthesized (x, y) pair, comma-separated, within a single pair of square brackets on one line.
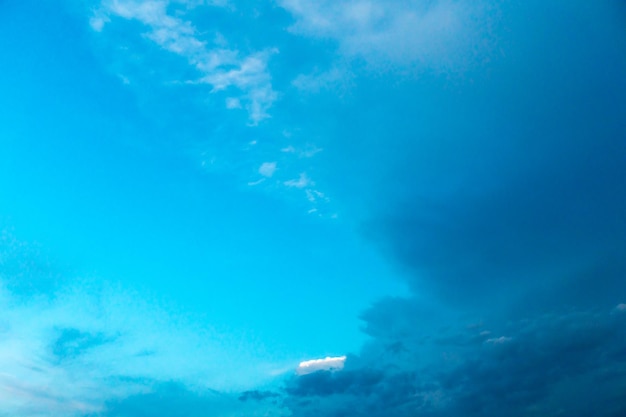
[(498, 340), (335, 79), (301, 182), (315, 196), (220, 67), (307, 151), (430, 33), (233, 103)]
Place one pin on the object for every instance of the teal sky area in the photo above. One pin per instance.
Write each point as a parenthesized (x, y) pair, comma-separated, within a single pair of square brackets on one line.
[(113, 192)]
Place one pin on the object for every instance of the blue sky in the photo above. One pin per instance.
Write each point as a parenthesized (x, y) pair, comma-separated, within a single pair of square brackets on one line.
[(198, 196)]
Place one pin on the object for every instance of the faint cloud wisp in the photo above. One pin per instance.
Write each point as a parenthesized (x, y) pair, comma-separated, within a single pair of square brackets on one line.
[(221, 68)]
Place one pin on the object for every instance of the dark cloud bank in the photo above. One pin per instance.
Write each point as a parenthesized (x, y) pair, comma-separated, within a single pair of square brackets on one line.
[(570, 364), (504, 202), (511, 230), (506, 209)]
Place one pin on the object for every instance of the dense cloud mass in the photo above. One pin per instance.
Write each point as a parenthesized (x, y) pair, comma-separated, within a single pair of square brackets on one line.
[(507, 206), (555, 364), (512, 180)]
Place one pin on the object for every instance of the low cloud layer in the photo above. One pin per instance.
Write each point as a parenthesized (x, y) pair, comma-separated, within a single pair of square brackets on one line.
[(570, 363)]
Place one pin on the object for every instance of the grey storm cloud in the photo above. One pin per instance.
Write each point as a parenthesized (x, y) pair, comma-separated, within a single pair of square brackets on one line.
[(572, 363)]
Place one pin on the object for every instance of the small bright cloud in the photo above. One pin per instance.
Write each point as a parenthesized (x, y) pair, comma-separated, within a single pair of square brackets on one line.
[(327, 364), (301, 182), (621, 307), (267, 169)]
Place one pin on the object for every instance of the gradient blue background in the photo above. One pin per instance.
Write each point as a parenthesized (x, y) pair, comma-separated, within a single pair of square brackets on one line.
[(443, 200)]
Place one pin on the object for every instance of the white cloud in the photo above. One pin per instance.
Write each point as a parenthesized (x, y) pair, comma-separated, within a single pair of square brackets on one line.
[(315, 195), (310, 151), (195, 3), (222, 68), (391, 31), (301, 182), (326, 364), (267, 169), (621, 307)]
